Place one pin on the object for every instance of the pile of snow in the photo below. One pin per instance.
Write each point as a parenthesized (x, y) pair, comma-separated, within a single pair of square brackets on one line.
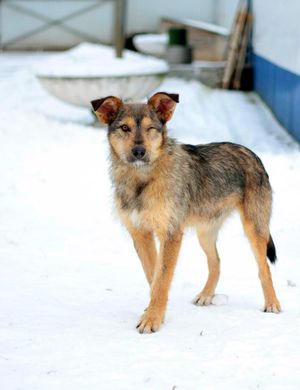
[(95, 60), (152, 44)]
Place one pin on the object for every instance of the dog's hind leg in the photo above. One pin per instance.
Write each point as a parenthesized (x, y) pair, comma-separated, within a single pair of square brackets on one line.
[(207, 238), (145, 247), (259, 243)]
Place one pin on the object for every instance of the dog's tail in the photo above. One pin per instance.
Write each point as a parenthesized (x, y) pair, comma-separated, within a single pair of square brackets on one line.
[(271, 251)]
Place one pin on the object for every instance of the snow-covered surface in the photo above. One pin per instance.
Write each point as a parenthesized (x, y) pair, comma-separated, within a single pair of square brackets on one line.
[(152, 44), (89, 60), (71, 286)]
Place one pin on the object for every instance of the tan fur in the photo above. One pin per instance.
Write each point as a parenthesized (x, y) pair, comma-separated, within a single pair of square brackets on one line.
[(258, 244), (122, 142), (145, 246)]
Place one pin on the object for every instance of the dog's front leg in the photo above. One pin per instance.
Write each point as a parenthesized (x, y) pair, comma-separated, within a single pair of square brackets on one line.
[(164, 270), (145, 247)]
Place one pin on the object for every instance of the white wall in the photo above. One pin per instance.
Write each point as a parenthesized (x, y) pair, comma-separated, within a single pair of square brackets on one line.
[(225, 11), (146, 14), (276, 35), (97, 22), (142, 15), (277, 32)]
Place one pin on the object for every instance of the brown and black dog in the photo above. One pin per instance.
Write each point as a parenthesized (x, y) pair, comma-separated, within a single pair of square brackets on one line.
[(162, 186)]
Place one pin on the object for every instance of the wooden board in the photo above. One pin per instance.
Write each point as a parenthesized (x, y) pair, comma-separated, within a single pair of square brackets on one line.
[(234, 44)]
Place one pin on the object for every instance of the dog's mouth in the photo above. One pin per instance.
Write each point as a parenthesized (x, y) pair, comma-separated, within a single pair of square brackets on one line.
[(138, 162)]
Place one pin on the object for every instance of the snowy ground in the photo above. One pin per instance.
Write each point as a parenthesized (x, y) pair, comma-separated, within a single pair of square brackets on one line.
[(71, 286)]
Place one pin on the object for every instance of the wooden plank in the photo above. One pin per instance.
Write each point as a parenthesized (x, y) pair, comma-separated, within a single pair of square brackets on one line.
[(199, 25), (234, 44), (242, 53)]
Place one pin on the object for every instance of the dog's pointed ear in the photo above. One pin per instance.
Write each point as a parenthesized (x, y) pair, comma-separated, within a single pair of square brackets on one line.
[(107, 108), (164, 105)]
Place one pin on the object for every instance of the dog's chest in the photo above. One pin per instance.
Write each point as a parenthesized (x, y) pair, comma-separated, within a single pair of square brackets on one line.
[(144, 204)]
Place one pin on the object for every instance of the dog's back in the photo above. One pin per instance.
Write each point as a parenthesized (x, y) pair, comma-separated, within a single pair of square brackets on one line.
[(221, 175)]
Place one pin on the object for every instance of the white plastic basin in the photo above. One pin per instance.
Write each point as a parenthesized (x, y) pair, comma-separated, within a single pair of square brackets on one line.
[(90, 71)]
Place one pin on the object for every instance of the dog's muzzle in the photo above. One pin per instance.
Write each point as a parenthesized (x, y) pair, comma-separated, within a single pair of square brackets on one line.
[(138, 152)]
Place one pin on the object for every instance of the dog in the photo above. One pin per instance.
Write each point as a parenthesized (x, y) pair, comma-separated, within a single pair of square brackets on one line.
[(162, 186)]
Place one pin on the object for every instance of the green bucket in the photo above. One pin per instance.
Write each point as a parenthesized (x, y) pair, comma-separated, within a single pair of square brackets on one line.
[(177, 36)]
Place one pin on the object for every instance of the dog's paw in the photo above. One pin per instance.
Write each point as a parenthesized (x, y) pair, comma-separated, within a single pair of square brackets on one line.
[(272, 307), (203, 300), (150, 322)]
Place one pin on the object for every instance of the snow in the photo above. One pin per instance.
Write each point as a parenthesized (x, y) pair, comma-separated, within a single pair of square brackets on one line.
[(89, 60), (71, 285), (152, 44), (220, 300)]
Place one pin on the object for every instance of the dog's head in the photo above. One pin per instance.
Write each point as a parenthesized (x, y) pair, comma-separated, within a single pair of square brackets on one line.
[(136, 132)]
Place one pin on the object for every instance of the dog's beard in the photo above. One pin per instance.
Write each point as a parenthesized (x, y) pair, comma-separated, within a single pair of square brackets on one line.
[(138, 163)]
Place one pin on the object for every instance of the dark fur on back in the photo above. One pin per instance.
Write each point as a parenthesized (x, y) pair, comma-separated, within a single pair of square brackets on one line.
[(224, 168)]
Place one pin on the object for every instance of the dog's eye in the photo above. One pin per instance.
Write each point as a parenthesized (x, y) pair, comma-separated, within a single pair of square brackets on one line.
[(125, 128), (151, 128)]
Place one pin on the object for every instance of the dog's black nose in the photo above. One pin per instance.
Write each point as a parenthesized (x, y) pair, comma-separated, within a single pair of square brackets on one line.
[(138, 152)]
